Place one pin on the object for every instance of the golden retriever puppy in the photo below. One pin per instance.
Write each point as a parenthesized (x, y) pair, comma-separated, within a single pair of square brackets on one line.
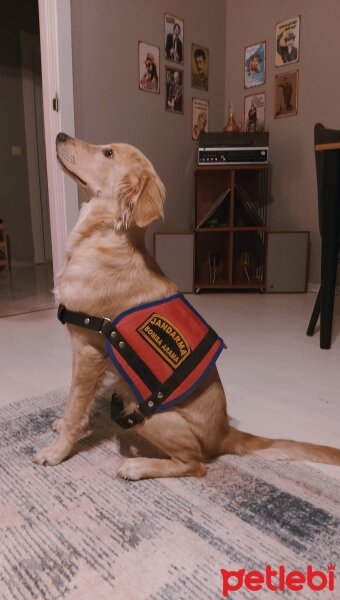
[(107, 270)]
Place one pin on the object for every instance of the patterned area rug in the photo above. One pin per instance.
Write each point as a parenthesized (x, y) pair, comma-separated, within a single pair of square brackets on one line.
[(79, 532)]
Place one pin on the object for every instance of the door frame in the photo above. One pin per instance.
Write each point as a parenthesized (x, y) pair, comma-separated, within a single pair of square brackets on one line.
[(35, 146), (57, 82)]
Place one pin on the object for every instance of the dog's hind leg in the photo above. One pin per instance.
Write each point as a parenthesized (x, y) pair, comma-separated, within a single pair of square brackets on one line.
[(147, 468), (89, 366), (175, 437)]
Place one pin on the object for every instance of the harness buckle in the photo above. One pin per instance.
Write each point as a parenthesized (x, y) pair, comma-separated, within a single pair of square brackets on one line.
[(125, 421), (105, 323)]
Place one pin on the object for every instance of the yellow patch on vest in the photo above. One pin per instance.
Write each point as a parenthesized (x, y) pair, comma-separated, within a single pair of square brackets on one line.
[(166, 339)]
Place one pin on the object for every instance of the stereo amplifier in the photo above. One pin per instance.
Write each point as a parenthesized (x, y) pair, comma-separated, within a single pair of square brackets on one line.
[(232, 156), (233, 148)]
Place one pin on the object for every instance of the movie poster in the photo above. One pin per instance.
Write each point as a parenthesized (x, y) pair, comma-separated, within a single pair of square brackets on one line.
[(199, 67), (200, 117), (287, 42), (255, 65), (286, 94), (254, 111)]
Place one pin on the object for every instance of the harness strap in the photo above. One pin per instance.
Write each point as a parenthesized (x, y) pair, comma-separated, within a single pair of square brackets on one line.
[(165, 389), (125, 421), (132, 358), (103, 325), (81, 319)]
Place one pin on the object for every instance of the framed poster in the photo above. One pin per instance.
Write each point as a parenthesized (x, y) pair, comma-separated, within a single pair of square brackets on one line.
[(173, 90), (148, 59), (286, 94), (255, 65), (287, 41), (199, 67), (173, 28), (254, 112), (200, 117)]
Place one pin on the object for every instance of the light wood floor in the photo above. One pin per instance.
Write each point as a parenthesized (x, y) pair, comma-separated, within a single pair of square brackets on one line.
[(278, 381), (26, 289)]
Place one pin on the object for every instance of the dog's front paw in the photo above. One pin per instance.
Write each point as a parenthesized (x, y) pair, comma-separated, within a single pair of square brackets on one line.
[(57, 425), (50, 455), (132, 469)]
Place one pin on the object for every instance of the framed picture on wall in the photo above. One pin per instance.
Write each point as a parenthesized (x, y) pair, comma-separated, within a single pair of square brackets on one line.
[(148, 60), (255, 65), (199, 67), (173, 90), (287, 41), (286, 94), (174, 35), (200, 117), (254, 111)]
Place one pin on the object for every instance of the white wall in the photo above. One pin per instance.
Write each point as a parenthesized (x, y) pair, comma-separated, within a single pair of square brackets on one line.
[(109, 105), (294, 194)]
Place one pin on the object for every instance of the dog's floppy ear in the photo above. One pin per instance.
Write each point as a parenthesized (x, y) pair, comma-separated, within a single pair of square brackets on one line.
[(140, 200), (149, 205)]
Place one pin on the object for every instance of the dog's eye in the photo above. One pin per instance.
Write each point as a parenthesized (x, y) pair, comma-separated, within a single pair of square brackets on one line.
[(108, 153)]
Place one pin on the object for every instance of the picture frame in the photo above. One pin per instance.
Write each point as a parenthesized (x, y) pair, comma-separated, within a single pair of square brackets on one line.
[(254, 112), (287, 41), (148, 63), (199, 67), (174, 88), (200, 117), (174, 39), (255, 65), (286, 94)]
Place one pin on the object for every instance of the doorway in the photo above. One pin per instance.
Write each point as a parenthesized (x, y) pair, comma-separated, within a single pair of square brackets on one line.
[(51, 19), (24, 205), (35, 146)]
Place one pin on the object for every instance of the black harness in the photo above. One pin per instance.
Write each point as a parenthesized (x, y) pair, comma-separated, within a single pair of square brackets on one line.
[(122, 352)]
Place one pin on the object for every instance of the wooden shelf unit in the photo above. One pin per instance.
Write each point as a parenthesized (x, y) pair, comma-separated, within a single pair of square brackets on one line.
[(230, 249)]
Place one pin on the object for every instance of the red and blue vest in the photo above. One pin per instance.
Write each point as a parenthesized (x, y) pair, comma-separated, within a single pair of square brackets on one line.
[(162, 349), (170, 337)]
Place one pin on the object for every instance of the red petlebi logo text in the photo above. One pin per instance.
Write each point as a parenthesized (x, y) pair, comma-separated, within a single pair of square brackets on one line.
[(278, 579)]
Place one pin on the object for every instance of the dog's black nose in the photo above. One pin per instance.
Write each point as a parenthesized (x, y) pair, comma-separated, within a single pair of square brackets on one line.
[(62, 137)]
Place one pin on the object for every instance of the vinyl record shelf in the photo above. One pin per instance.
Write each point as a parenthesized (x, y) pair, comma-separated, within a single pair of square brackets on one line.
[(230, 226)]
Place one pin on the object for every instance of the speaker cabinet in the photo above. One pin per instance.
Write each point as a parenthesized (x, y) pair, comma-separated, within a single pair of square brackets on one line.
[(174, 253), (287, 261)]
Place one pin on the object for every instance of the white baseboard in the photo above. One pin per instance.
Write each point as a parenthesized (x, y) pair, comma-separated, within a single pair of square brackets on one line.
[(314, 287)]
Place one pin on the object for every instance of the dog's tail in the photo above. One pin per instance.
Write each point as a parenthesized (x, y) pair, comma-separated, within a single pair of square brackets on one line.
[(241, 443)]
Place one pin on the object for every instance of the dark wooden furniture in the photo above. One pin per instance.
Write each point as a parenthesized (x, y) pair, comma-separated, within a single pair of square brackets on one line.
[(327, 158), (4, 250), (230, 222)]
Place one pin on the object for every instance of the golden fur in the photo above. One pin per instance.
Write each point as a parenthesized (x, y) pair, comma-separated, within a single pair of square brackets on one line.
[(108, 270)]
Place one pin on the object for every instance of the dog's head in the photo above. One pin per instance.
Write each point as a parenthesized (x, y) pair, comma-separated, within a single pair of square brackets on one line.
[(118, 173)]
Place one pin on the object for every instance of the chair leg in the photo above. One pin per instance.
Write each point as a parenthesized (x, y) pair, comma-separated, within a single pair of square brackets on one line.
[(315, 315), (327, 297)]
